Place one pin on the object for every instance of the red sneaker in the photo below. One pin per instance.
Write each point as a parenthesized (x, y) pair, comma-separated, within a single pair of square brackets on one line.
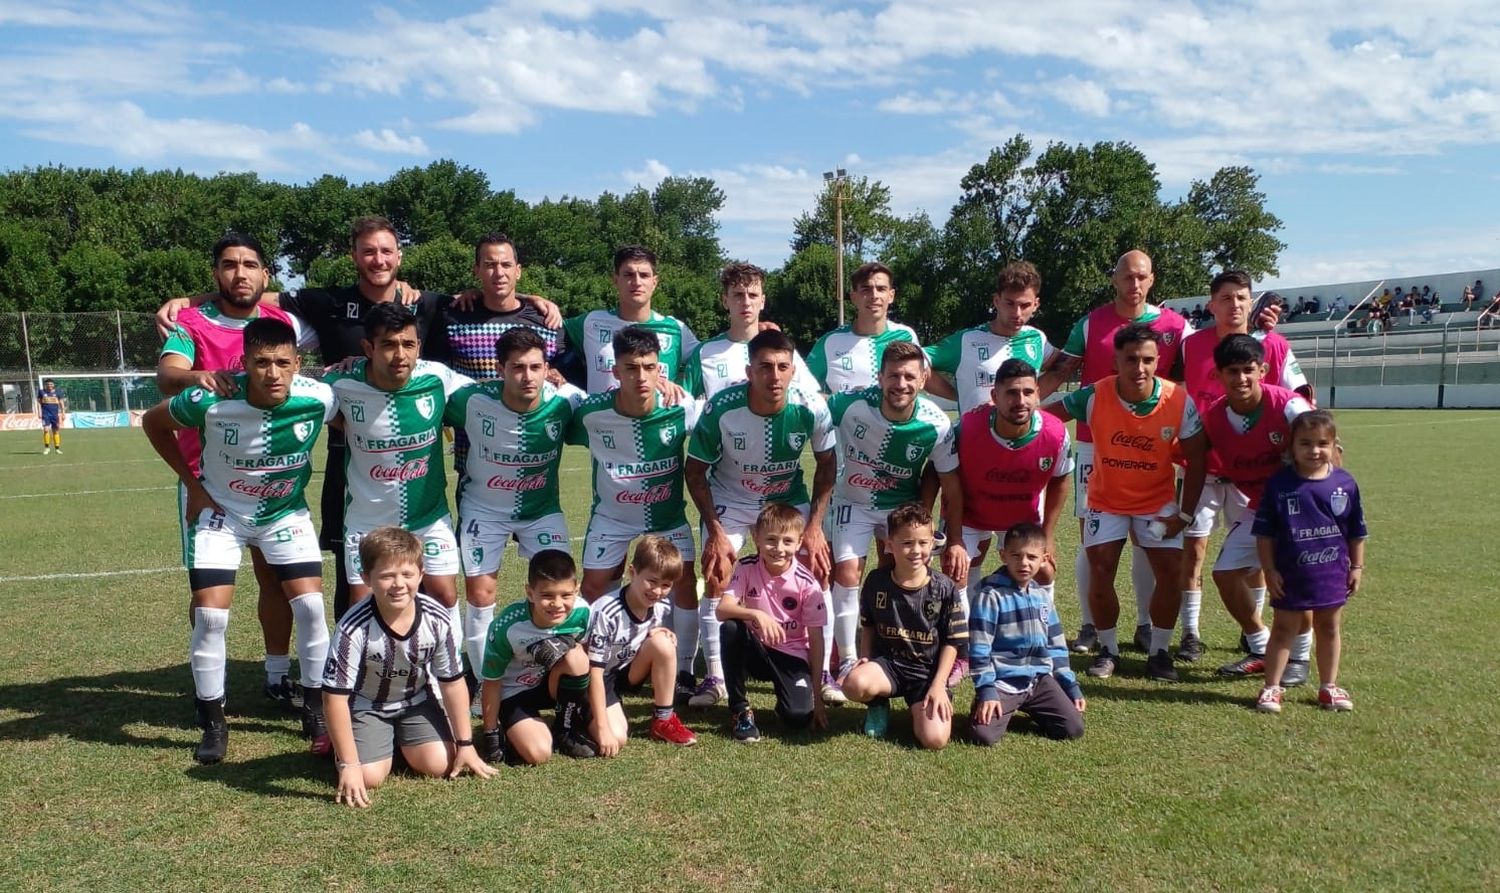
[(672, 731), (1331, 697)]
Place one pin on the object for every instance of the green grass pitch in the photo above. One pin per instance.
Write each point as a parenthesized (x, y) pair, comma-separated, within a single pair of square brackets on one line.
[(1173, 787)]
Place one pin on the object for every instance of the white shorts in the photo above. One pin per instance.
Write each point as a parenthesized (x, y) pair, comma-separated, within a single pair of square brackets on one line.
[(1238, 551), (439, 550), (1083, 466), (216, 542), (738, 522), (974, 538), (483, 540), (1102, 527), (606, 543), (850, 529)]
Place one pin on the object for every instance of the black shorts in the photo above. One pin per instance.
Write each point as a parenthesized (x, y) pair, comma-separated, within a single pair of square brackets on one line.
[(331, 504), (907, 681), (617, 685), (528, 704)]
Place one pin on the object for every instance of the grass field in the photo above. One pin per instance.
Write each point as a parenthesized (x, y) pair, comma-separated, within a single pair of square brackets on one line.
[(1179, 787)]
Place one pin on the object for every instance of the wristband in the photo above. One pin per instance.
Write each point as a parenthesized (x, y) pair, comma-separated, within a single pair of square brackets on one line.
[(1356, 567), (464, 742), (340, 765)]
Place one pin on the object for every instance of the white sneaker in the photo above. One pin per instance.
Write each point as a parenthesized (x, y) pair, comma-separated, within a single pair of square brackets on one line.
[(709, 692), (832, 693), (46, 450)]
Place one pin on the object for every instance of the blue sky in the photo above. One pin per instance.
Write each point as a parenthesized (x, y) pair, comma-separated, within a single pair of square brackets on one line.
[(1375, 128)]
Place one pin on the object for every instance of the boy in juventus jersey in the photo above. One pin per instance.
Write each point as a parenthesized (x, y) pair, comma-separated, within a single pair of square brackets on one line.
[(249, 491)]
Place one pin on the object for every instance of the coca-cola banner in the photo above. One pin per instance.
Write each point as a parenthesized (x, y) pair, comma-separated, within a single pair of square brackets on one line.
[(25, 421)]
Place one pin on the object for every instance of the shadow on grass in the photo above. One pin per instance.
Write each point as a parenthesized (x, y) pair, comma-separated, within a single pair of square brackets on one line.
[(102, 710)]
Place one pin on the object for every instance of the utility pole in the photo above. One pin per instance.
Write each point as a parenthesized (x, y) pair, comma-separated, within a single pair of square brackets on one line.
[(837, 178)]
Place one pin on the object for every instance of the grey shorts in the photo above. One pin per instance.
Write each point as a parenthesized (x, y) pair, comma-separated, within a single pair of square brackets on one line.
[(377, 734)]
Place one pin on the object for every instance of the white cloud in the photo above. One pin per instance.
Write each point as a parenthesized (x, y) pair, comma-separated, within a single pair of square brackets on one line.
[(1081, 95), (387, 140), (648, 176)]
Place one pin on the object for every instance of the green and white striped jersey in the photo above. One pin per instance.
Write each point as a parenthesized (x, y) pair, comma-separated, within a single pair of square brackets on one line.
[(507, 647), (880, 460), (593, 335), (972, 356), (843, 361), (255, 462), (720, 362), (394, 464), (637, 462), (510, 469), (755, 459)]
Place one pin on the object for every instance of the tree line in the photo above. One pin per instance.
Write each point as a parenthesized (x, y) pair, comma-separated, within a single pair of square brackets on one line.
[(75, 239)]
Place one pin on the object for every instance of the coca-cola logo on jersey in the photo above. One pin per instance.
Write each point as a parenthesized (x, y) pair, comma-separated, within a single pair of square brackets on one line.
[(409, 470), (1256, 462), (766, 488), (1133, 441), (1323, 556), (1008, 476), (520, 485), (870, 482), (266, 490), (649, 496)]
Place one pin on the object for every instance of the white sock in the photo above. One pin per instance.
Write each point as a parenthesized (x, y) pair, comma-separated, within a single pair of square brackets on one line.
[(476, 633), (1260, 600), (1081, 576), (1302, 646), (206, 652), (1144, 582), (845, 604), (1192, 605), (708, 636), (1161, 638), (312, 637), (685, 626), (277, 666), (1258, 639), (1109, 640)]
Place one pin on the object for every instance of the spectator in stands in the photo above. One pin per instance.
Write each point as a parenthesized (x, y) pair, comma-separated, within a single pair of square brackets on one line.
[(1479, 291), (1300, 309), (1375, 319), (1315, 306), (1468, 298), (1339, 306), (1385, 299), (1428, 295), (1491, 316), (1408, 307), (1197, 315), (1427, 311)]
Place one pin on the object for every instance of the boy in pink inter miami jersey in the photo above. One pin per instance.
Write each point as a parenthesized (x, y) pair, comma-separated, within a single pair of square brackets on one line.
[(1013, 465), (773, 613)]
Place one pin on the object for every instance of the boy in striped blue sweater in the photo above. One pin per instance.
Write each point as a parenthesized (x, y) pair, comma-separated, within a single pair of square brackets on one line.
[(1017, 653)]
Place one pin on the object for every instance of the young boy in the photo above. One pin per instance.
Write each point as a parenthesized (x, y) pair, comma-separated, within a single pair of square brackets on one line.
[(627, 644), (376, 690), (1017, 652), (913, 629), (533, 662), (773, 612)]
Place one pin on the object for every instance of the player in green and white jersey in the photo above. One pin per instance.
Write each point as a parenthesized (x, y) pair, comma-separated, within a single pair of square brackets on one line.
[(965, 361), (746, 451), (848, 358), (391, 407), (592, 334), (721, 361), (635, 442), (250, 491), (886, 436), (508, 486)]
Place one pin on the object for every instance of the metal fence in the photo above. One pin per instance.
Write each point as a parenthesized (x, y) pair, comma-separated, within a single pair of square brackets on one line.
[(1464, 354), (33, 344)]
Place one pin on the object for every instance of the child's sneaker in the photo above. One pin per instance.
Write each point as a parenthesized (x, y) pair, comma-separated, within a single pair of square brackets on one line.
[(672, 731), (1331, 697), (709, 692), (832, 692), (957, 674), (745, 730), (878, 717), (1270, 699)]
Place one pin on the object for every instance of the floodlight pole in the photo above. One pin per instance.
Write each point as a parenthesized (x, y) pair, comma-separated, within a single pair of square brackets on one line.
[(836, 179)]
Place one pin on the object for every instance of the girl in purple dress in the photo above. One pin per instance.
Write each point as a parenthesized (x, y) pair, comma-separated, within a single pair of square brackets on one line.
[(1310, 533)]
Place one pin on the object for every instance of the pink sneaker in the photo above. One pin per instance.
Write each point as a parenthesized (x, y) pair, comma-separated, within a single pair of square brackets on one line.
[(1270, 699), (957, 674), (1331, 697)]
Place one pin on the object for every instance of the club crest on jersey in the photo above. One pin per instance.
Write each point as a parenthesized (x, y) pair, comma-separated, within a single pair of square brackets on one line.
[(913, 452), (1169, 338), (1277, 438), (1338, 500), (667, 433), (1045, 463), (795, 439), (426, 405), (1167, 431), (930, 608), (554, 430), (302, 430)]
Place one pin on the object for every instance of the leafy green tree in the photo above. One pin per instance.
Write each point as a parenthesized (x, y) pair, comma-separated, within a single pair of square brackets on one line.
[(96, 277), (443, 264), (427, 203), (1238, 230)]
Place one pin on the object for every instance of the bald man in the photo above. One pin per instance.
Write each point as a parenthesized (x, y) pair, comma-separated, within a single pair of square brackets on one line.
[(1090, 350)]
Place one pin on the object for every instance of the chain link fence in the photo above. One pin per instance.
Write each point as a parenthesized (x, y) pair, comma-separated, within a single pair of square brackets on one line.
[(36, 344)]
